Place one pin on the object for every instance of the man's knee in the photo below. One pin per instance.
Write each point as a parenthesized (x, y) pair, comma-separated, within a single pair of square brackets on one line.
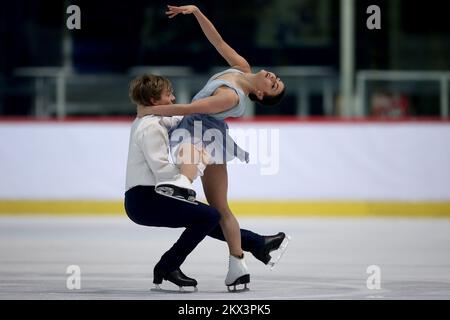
[(215, 216), (212, 216)]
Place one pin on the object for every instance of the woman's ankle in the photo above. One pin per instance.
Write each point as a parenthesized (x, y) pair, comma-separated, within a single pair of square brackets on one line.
[(239, 256)]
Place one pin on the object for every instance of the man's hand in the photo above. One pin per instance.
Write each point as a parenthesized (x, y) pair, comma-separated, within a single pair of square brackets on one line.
[(173, 11)]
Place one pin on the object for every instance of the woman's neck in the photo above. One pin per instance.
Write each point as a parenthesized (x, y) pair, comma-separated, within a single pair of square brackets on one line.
[(246, 82)]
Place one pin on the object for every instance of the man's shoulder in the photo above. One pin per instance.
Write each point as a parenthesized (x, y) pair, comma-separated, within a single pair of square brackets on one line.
[(150, 126), (147, 121)]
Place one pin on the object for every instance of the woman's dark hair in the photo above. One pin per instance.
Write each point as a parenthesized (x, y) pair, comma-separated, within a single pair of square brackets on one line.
[(268, 100)]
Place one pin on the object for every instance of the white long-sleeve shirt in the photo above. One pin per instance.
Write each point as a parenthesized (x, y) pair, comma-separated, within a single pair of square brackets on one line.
[(148, 151)]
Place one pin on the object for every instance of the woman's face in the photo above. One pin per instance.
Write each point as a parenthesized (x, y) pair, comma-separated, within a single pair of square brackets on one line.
[(270, 83)]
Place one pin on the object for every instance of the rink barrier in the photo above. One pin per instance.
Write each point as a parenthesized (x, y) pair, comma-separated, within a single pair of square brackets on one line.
[(350, 167), (244, 208)]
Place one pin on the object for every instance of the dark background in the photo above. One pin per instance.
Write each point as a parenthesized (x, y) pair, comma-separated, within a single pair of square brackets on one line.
[(116, 35)]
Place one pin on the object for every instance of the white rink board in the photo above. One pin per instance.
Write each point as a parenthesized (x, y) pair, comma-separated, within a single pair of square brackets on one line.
[(328, 161)]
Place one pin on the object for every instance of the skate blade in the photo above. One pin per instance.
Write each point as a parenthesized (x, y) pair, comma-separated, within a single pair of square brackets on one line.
[(171, 190), (164, 191), (243, 280), (278, 254), (238, 290), (181, 290)]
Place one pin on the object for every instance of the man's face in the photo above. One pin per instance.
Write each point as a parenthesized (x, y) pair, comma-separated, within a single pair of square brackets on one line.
[(167, 97)]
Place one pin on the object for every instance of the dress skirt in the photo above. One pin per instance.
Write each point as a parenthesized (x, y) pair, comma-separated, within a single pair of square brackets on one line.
[(208, 134)]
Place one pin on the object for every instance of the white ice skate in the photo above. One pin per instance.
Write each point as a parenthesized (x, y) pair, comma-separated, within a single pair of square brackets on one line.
[(237, 274), (180, 188)]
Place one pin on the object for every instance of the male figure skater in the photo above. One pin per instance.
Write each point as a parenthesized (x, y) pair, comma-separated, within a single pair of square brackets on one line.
[(148, 163)]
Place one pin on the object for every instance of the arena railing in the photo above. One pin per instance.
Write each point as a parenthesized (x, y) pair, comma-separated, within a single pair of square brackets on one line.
[(363, 77), (60, 92)]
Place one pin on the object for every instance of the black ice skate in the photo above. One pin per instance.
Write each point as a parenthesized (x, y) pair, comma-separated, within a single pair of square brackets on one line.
[(180, 188), (277, 243), (237, 274), (177, 277)]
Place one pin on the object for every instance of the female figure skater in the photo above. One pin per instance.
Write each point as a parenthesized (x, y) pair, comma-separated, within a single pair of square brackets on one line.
[(223, 96)]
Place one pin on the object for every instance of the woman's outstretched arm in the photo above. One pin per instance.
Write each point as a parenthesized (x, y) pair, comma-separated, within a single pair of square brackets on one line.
[(222, 100), (228, 53)]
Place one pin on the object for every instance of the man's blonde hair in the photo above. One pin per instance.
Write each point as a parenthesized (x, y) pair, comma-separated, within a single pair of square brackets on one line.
[(146, 87)]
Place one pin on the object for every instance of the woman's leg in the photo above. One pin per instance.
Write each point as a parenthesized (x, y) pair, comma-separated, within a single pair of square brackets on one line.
[(215, 186)]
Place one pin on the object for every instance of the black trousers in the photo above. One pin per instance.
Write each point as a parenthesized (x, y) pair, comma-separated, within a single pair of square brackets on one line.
[(145, 207)]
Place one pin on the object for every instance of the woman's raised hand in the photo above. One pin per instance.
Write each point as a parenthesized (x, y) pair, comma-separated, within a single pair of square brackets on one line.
[(172, 11)]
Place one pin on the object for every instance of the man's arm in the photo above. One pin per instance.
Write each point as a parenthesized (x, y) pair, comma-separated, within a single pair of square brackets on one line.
[(229, 54)]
